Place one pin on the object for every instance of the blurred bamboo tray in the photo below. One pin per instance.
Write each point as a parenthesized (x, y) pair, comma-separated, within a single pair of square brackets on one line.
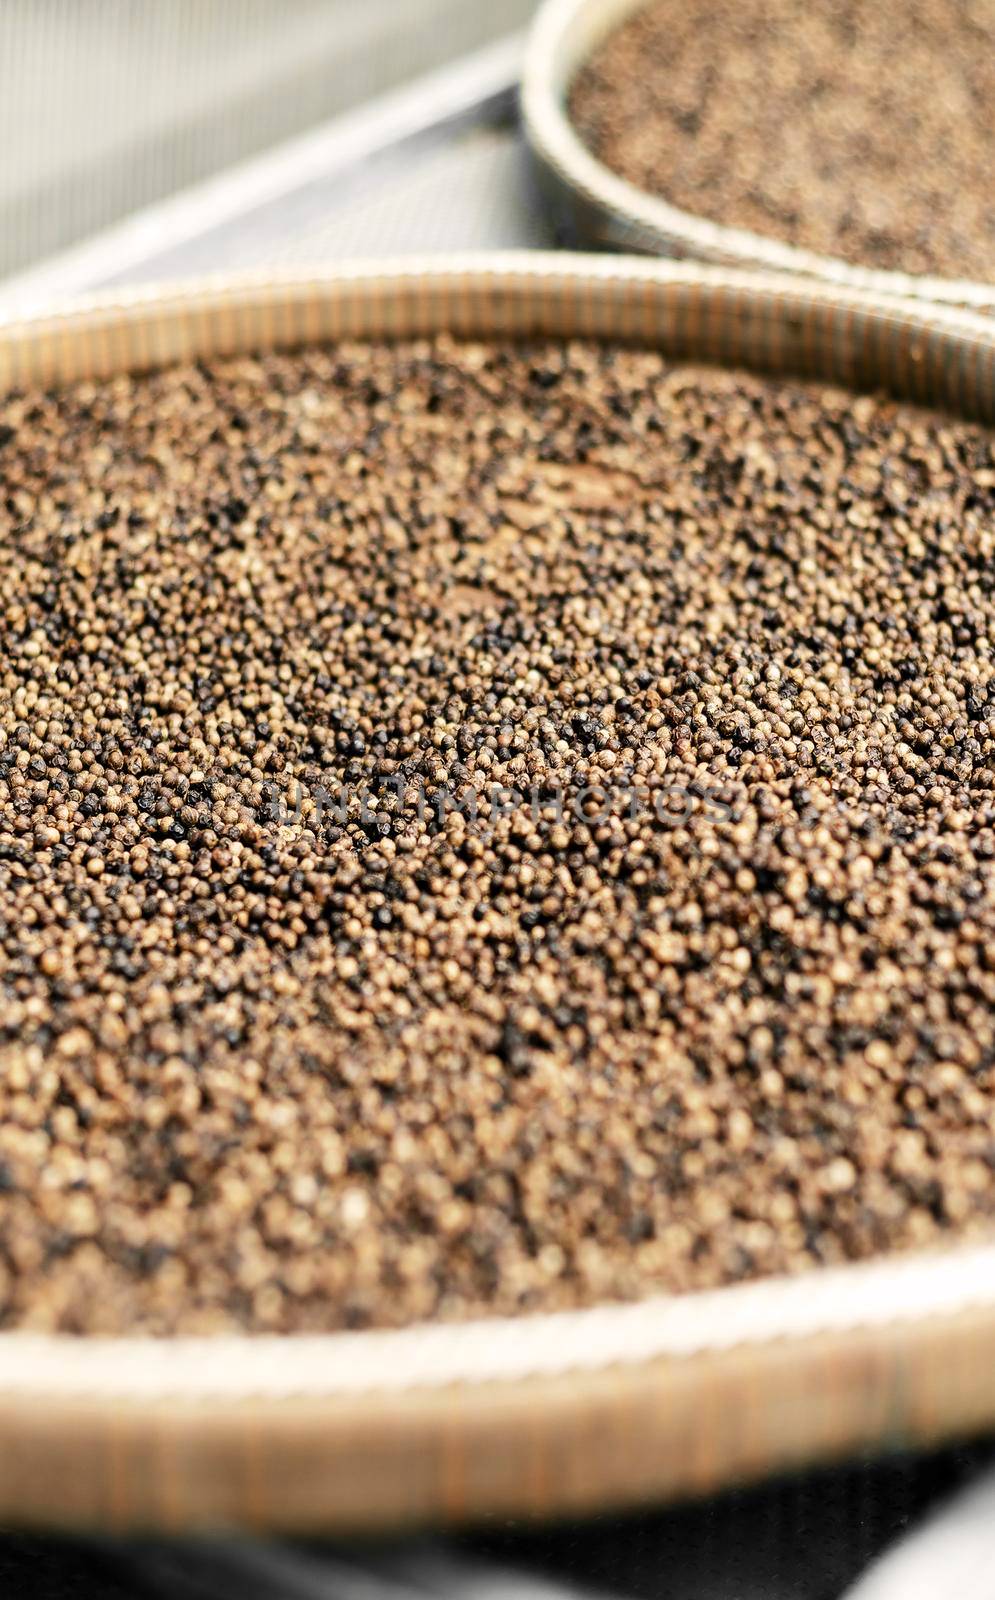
[(598, 207), (540, 1415)]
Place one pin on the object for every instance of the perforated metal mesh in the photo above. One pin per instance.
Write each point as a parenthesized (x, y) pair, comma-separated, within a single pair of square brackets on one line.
[(463, 188), (108, 105)]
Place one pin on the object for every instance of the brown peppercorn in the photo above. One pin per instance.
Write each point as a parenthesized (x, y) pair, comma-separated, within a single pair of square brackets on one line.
[(862, 132), (483, 829)]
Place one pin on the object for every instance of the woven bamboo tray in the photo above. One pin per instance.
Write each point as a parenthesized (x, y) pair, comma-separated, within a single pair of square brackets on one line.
[(596, 206), (558, 1414)]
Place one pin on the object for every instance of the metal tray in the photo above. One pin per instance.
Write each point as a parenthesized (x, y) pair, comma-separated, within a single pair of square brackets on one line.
[(434, 166), (598, 207), (539, 1415)]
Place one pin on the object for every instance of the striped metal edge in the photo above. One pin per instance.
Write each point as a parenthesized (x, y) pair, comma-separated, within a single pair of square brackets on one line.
[(600, 208), (540, 1415)]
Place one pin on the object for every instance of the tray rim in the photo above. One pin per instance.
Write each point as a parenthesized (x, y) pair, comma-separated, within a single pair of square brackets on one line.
[(228, 1368), (456, 1420), (616, 213)]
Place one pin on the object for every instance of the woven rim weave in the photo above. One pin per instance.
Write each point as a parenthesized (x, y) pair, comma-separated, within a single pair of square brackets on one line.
[(602, 208), (559, 1413)]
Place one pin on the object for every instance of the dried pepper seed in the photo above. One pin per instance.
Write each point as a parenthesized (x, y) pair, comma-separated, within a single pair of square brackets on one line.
[(861, 132), (290, 1037)]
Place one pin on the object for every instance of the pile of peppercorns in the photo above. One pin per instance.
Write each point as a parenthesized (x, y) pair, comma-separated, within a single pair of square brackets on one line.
[(860, 131), (274, 1061)]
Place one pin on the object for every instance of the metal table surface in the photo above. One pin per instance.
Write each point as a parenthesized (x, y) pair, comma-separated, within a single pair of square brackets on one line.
[(435, 166)]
